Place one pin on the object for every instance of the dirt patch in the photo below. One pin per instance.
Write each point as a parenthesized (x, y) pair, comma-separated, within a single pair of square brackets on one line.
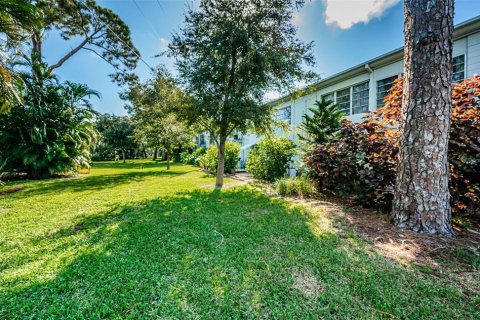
[(12, 190), (306, 283), (402, 245), (78, 227)]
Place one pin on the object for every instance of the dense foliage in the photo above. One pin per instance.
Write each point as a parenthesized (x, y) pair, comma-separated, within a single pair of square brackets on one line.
[(209, 160), (270, 158), (323, 122), (51, 132), (230, 54), (116, 138), (194, 157), (362, 159), (154, 109)]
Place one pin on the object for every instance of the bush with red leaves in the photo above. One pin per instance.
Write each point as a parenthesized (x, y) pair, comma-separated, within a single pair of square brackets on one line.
[(361, 159)]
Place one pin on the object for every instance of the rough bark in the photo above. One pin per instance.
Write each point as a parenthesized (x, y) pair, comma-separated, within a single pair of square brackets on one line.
[(422, 197), (221, 161), (155, 153), (123, 155)]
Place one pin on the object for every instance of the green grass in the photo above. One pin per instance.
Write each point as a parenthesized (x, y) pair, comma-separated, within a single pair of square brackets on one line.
[(135, 241)]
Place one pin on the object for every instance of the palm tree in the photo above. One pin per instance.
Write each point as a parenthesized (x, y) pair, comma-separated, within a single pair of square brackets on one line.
[(51, 132), (18, 19)]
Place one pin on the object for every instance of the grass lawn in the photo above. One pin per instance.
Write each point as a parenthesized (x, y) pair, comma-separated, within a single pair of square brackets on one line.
[(137, 241)]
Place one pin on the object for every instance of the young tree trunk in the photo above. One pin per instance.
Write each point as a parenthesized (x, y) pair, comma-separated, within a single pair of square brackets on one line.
[(123, 155), (155, 153), (167, 154), (422, 198), (221, 161)]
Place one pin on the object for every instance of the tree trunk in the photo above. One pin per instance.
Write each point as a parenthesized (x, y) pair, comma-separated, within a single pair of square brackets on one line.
[(167, 153), (221, 161), (123, 155), (155, 153), (422, 199)]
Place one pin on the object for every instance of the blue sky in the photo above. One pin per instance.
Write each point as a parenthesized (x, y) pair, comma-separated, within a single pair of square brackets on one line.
[(345, 33)]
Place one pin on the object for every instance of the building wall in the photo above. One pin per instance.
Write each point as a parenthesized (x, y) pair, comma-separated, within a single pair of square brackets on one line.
[(468, 46)]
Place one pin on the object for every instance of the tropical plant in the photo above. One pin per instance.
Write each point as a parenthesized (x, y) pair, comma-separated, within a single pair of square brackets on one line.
[(52, 132), (323, 122), (229, 54), (270, 158), (209, 160), (17, 20)]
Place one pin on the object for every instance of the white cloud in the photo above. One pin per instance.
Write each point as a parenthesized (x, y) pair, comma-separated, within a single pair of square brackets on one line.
[(164, 44), (271, 95), (345, 13)]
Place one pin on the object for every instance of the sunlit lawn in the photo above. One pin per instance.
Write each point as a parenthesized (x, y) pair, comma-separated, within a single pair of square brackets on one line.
[(138, 241)]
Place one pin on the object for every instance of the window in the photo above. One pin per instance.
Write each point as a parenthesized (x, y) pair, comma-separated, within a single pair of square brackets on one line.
[(382, 89), (201, 140), (360, 98), (285, 114), (458, 68), (329, 97), (343, 101)]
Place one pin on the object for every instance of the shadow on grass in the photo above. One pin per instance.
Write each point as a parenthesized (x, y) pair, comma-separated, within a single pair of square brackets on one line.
[(225, 254), (130, 164), (99, 182)]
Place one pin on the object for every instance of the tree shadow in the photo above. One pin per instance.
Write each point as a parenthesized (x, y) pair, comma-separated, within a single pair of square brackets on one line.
[(97, 182), (223, 254)]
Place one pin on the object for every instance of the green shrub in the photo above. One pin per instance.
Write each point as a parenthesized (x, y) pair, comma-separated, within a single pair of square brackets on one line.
[(186, 157), (295, 186), (194, 157), (209, 160), (200, 151), (269, 160)]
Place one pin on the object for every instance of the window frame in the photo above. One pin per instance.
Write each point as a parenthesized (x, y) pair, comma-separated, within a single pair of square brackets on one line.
[(282, 109), (347, 112), (368, 97), (394, 77), (464, 71)]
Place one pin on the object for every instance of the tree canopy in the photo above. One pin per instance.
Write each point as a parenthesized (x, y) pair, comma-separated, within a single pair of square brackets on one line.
[(155, 107), (229, 54), (97, 29)]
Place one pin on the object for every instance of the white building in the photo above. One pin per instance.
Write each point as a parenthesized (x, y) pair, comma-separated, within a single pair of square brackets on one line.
[(363, 87)]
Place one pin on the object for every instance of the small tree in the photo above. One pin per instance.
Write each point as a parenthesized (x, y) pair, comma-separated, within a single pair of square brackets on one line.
[(322, 124), (229, 54), (154, 106)]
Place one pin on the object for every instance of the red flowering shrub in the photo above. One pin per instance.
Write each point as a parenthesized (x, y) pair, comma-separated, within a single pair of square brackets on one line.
[(361, 159)]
